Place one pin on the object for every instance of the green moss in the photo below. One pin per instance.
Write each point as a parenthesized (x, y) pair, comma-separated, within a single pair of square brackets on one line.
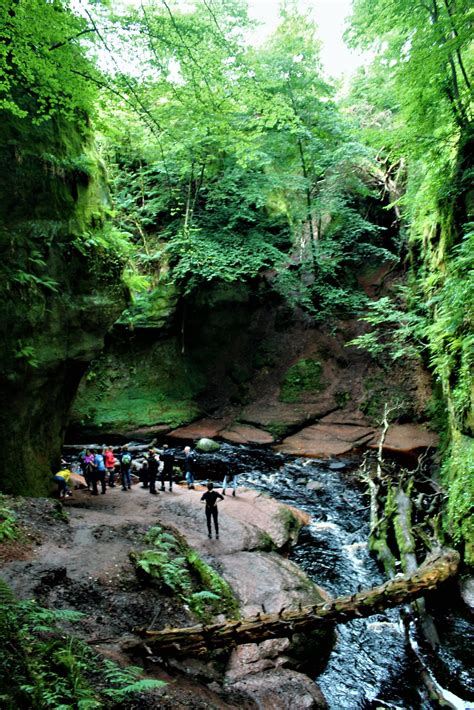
[(132, 388), (153, 309), (380, 390), (211, 581), (303, 376), (60, 284), (292, 524), (266, 542), (277, 429), (458, 478), (180, 570)]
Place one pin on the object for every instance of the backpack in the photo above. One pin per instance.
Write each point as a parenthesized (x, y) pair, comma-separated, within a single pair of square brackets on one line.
[(126, 459)]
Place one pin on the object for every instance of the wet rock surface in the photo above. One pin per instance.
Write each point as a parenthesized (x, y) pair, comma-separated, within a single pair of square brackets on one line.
[(80, 561)]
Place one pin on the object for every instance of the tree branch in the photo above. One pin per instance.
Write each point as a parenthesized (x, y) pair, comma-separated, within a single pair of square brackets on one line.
[(69, 39)]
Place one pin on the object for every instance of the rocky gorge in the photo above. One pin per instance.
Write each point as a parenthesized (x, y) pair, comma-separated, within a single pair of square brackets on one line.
[(203, 240)]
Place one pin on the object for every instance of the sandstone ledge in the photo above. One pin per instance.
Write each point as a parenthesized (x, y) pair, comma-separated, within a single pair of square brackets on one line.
[(338, 434), (223, 429)]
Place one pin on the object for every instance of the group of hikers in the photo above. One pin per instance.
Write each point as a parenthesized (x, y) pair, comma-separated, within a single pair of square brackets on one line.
[(102, 466)]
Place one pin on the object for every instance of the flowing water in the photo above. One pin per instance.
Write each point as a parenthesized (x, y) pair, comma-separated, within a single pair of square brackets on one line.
[(370, 666)]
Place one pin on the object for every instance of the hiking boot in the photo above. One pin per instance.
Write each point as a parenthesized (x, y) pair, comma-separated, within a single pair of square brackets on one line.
[(217, 537), (210, 536)]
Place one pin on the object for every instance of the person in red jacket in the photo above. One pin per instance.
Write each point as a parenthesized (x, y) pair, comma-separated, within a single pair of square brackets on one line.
[(110, 465)]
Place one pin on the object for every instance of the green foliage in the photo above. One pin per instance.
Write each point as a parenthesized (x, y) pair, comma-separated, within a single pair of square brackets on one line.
[(125, 682), (40, 667), (303, 376), (9, 529), (450, 333), (398, 332), (416, 102), (41, 52), (380, 390), (458, 477), (241, 162), (182, 572)]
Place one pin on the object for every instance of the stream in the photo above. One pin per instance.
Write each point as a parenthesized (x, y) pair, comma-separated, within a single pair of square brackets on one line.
[(370, 666)]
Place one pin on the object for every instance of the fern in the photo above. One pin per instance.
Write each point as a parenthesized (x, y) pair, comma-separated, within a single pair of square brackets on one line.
[(126, 681), (178, 568), (9, 530), (199, 600), (7, 598), (41, 668)]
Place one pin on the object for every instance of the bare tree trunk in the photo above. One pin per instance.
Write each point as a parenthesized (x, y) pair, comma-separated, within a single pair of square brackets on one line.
[(202, 639)]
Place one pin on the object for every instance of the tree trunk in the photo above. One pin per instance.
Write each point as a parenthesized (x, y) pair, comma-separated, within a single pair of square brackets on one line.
[(201, 639)]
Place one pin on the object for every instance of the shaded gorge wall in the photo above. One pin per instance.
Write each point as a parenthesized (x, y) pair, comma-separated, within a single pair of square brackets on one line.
[(60, 284)]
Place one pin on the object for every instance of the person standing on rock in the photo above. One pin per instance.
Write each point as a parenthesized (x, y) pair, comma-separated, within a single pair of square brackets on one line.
[(211, 497), (110, 465), (167, 459), (153, 464), (100, 472), (125, 464), (189, 461), (232, 481)]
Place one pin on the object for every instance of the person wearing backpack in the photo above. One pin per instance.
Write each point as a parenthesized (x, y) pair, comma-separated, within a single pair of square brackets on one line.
[(125, 465), (110, 465)]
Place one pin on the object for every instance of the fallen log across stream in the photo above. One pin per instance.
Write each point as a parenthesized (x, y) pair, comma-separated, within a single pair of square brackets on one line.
[(202, 639)]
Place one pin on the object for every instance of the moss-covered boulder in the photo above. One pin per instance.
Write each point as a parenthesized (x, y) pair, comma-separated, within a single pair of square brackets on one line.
[(207, 445)]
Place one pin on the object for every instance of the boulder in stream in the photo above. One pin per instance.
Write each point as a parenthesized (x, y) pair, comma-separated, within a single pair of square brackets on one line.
[(207, 445)]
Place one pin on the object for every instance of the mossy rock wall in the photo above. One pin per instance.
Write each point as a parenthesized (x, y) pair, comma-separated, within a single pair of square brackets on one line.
[(136, 385), (148, 379), (444, 277), (60, 288)]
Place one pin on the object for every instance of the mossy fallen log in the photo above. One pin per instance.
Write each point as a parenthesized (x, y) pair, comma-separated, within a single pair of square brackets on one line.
[(202, 639)]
